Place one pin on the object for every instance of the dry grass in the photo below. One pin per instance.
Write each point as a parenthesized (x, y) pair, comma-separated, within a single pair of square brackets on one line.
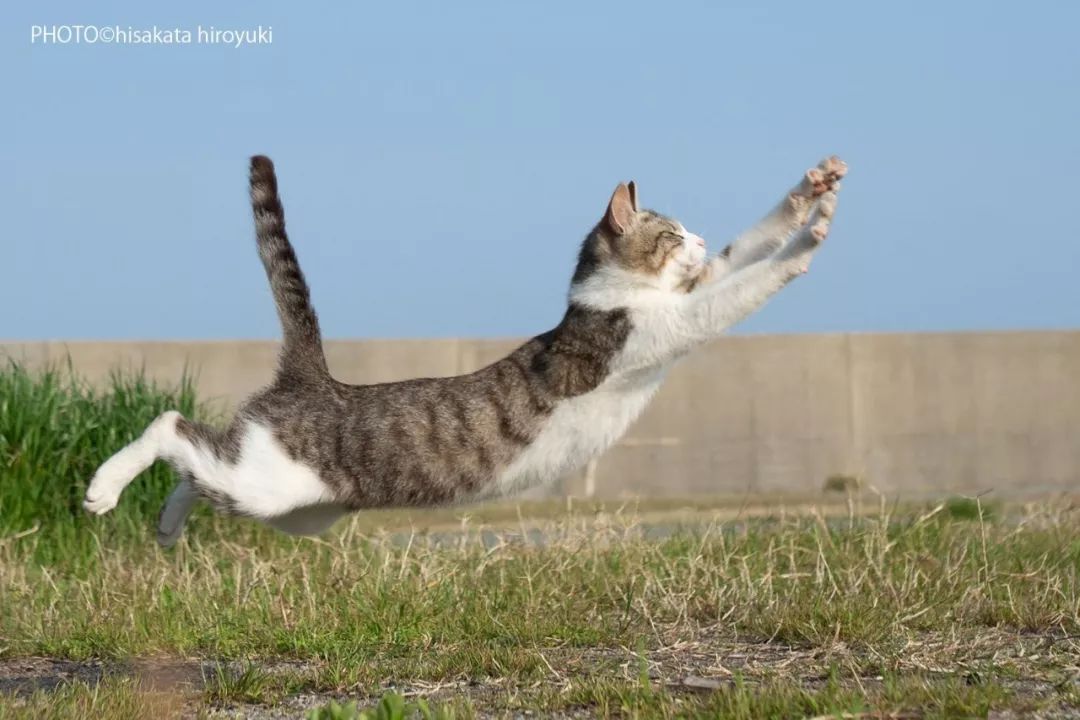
[(793, 614)]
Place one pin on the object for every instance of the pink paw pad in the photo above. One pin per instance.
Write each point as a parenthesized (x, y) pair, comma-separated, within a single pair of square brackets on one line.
[(816, 181), (833, 167)]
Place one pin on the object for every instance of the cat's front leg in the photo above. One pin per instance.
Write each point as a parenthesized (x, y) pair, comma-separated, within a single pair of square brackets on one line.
[(717, 306), (768, 235)]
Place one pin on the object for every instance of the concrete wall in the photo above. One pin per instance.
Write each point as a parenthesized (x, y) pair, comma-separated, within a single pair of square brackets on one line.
[(912, 414)]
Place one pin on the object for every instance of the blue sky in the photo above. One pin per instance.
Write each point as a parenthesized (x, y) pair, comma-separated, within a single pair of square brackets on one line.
[(440, 162)]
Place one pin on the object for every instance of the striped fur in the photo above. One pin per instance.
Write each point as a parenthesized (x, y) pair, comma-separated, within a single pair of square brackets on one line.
[(301, 350)]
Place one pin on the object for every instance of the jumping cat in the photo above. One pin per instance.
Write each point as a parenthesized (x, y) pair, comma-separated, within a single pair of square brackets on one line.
[(308, 449)]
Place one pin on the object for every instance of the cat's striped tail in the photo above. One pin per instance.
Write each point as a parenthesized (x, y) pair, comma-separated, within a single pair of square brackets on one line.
[(302, 353)]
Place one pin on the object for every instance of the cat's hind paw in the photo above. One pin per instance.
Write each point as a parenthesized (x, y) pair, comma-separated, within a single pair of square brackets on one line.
[(168, 534), (100, 498)]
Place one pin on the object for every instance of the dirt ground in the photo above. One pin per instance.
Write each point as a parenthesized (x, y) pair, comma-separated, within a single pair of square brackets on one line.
[(1030, 667)]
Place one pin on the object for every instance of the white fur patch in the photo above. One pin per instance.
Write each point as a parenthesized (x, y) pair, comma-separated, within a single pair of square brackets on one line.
[(686, 263), (659, 317), (583, 427), (265, 482), (578, 430)]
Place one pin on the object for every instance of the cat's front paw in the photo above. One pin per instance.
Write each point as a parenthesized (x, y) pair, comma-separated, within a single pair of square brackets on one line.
[(825, 177), (821, 179), (834, 169), (816, 229)]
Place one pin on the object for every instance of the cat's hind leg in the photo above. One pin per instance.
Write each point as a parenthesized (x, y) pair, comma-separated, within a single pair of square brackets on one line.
[(183, 444), (118, 471), (175, 511), (243, 472)]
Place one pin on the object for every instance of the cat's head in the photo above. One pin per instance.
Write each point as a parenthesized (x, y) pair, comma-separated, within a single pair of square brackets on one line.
[(632, 247)]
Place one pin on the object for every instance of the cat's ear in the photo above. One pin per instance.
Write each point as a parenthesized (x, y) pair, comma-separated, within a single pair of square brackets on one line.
[(620, 211), (632, 187)]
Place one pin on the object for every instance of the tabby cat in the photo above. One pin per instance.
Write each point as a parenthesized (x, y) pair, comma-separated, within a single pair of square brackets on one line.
[(308, 449)]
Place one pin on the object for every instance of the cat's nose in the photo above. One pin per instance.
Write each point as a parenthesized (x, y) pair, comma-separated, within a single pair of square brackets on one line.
[(701, 242)]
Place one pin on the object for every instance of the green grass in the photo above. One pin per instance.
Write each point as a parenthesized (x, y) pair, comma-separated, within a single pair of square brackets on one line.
[(968, 508), (391, 706), (248, 684), (936, 611), (55, 430)]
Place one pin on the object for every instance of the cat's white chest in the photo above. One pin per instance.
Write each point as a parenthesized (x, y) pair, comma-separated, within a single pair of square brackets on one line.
[(578, 430)]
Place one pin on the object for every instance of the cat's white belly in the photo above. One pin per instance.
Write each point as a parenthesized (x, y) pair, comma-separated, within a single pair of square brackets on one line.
[(578, 430)]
